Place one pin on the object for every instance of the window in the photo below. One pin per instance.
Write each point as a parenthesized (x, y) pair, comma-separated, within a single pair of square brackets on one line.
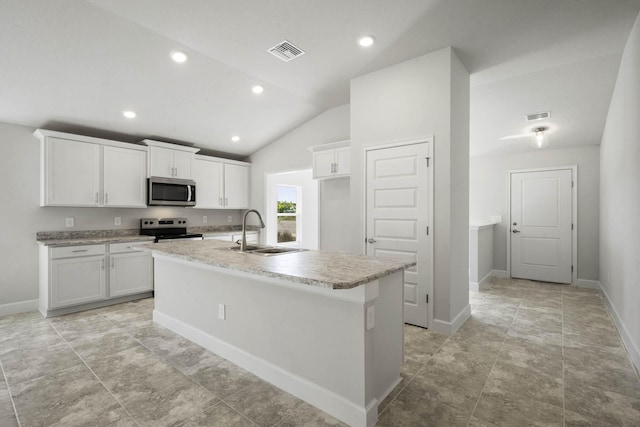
[(288, 212)]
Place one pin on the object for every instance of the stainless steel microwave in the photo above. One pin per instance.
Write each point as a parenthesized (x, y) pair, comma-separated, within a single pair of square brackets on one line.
[(171, 192)]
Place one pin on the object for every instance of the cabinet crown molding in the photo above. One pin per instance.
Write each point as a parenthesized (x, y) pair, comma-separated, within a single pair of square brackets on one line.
[(152, 143), (42, 134), (330, 145)]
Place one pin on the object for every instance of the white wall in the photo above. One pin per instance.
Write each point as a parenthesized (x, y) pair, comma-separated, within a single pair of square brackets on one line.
[(21, 215), (428, 95), (620, 197), (488, 195), (290, 153)]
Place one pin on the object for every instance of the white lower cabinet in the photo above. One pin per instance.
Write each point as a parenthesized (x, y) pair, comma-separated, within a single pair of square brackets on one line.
[(78, 277), (131, 271)]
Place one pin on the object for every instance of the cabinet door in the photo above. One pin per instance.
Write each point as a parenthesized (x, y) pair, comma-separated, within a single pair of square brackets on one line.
[(161, 162), (125, 177), (131, 273), (182, 161), (236, 186), (343, 161), (77, 281), (72, 173), (208, 178), (322, 163)]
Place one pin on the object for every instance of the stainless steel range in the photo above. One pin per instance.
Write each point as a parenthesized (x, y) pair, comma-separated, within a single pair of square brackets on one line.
[(165, 229)]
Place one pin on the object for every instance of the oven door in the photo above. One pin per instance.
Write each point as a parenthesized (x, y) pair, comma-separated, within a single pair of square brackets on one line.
[(171, 192)]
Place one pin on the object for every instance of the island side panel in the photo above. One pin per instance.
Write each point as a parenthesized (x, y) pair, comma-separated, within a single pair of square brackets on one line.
[(312, 335)]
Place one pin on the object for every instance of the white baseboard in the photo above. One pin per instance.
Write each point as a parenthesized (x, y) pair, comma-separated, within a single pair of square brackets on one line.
[(18, 307), (501, 274), (477, 286), (449, 328), (326, 400), (589, 284), (632, 347)]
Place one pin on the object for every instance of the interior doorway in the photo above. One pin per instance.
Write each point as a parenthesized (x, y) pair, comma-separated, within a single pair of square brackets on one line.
[(542, 225), (399, 206)]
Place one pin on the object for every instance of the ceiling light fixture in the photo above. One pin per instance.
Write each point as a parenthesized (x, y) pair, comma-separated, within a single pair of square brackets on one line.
[(129, 114), (179, 56), (235, 138), (366, 41), (257, 89), (540, 140)]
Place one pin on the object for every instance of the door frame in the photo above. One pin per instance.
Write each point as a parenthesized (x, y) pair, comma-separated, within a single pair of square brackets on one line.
[(430, 209), (574, 214)]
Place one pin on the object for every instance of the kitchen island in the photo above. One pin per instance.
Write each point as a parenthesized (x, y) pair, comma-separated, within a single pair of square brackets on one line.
[(326, 327)]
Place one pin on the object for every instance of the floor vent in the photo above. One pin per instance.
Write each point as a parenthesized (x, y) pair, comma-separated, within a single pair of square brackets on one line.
[(286, 51), (538, 116)]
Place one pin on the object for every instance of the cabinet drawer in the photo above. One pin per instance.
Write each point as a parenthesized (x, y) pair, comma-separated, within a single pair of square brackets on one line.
[(118, 248), (77, 251)]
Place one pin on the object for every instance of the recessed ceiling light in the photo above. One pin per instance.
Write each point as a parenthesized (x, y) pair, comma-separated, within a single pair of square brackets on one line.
[(178, 56), (129, 114), (257, 89), (366, 41), (235, 138)]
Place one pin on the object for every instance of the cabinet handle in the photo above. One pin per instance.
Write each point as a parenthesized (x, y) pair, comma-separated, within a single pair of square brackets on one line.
[(112, 261), (106, 198), (80, 250), (220, 201), (96, 197), (335, 168), (102, 264), (226, 201)]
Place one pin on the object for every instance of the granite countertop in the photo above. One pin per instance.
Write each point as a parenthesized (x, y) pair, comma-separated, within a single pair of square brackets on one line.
[(331, 270), (98, 237)]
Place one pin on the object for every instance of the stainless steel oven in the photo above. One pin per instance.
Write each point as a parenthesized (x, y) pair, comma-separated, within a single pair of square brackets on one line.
[(171, 192)]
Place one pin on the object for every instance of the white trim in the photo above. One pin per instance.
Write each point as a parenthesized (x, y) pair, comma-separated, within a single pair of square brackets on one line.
[(162, 144), (329, 146), (324, 399), (430, 140), (574, 214), (632, 348), (221, 160), (449, 328), (476, 227), (18, 307), (589, 284), (477, 286)]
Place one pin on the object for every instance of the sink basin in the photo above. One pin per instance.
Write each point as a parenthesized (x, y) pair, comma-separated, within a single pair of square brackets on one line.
[(275, 251), (249, 248)]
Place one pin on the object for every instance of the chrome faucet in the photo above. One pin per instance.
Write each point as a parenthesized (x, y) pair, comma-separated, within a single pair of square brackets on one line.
[(243, 243)]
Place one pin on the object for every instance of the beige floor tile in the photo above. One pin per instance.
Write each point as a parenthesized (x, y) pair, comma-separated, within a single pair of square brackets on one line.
[(415, 411), (544, 359), (600, 404), (218, 415), (263, 403), (513, 410)]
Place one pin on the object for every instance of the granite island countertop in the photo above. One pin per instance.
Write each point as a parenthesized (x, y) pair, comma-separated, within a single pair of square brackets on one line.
[(333, 270)]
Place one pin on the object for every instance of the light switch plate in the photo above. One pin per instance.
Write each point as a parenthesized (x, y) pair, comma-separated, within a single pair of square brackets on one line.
[(222, 311), (204, 219), (117, 220), (229, 219), (69, 222), (371, 317)]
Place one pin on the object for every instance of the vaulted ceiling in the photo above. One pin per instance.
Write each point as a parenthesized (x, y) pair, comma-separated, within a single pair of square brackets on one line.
[(76, 65)]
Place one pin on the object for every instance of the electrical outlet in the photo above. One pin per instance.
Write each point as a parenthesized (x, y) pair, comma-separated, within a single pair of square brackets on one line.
[(117, 220), (229, 219), (69, 222), (222, 311), (371, 317), (204, 219)]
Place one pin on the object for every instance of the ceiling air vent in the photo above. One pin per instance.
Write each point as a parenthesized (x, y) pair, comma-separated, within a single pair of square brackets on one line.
[(538, 116), (286, 51)]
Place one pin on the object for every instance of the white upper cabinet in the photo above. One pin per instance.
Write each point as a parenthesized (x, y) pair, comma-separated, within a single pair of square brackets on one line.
[(236, 186), (221, 183), (170, 160), (83, 171), (125, 173), (331, 160)]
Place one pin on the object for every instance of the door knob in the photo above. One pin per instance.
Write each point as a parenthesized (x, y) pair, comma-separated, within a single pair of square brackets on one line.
[(371, 240), (515, 231)]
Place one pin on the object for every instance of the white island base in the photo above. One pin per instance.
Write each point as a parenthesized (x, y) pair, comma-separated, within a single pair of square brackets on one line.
[(310, 341)]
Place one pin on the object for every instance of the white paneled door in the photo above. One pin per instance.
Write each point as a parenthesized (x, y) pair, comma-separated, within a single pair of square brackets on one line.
[(541, 223), (398, 216)]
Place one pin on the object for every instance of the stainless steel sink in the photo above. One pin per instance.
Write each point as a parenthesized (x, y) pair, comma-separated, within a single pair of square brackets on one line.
[(275, 251), (263, 250)]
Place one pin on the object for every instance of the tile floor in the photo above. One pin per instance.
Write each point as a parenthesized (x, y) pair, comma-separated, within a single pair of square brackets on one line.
[(531, 354)]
